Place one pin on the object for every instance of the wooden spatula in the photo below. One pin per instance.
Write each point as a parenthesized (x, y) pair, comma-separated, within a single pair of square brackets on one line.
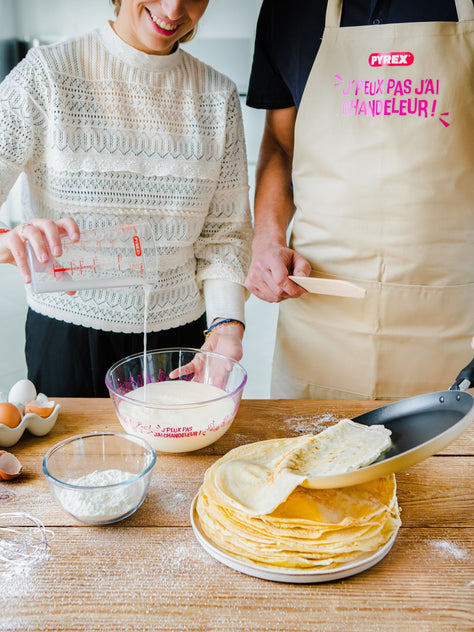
[(335, 287)]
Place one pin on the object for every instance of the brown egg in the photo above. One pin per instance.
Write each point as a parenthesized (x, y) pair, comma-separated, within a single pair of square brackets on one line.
[(9, 415)]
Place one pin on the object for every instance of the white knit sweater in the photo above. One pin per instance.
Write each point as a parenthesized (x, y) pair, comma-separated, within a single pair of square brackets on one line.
[(109, 135)]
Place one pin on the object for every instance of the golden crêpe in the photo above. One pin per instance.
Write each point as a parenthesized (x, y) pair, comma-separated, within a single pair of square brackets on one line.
[(252, 504)]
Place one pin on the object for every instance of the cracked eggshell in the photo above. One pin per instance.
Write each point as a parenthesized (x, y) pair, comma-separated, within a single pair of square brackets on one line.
[(40, 407), (10, 466), (35, 424)]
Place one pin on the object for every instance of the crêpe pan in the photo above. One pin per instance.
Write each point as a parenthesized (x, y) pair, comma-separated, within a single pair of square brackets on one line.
[(420, 425)]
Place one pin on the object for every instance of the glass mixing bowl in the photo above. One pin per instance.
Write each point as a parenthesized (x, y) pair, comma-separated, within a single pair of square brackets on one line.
[(178, 399), (100, 477)]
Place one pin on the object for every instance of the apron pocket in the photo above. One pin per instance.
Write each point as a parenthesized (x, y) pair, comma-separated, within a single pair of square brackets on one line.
[(397, 342)]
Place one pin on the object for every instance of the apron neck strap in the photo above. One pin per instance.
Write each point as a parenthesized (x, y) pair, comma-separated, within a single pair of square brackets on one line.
[(464, 8), (333, 13)]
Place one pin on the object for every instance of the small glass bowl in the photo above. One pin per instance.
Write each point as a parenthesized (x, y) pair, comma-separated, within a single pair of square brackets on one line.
[(100, 477), (174, 407)]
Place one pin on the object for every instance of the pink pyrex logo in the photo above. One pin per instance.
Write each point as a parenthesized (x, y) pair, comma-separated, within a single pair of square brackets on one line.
[(391, 59), (137, 245)]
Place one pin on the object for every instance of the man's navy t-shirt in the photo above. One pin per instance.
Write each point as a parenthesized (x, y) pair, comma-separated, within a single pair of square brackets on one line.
[(289, 34)]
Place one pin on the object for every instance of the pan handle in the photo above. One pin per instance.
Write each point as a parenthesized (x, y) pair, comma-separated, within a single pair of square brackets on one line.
[(465, 379)]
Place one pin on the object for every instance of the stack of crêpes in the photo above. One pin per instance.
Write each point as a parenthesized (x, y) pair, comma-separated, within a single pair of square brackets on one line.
[(255, 502)]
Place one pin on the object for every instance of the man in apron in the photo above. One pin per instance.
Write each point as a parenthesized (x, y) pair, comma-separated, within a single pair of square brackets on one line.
[(375, 168)]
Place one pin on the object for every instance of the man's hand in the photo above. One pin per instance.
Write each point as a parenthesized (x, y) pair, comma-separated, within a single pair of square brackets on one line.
[(272, 260), (269, 270)]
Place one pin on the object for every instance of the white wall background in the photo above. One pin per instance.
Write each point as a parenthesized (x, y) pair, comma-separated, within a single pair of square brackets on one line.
[(8, 20), (62, 18), (225, 40)]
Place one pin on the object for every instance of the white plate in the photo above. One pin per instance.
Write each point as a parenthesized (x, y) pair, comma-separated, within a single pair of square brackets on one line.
[(289, 576)]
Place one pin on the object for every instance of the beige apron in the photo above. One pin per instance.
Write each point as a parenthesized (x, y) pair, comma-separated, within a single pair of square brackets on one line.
[(383, 185)]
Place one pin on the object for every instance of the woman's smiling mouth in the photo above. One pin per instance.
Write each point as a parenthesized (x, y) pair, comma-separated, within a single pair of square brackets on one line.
[(169, 29)]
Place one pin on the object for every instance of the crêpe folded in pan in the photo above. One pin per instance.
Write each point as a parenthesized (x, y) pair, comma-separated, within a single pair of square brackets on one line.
[(252, 503), (257, 477)]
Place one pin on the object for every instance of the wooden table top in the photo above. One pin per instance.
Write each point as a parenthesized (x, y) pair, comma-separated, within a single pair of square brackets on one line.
[(148, 572)]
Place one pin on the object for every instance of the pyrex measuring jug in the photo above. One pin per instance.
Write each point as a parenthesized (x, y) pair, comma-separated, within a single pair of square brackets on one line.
[(115, 256)]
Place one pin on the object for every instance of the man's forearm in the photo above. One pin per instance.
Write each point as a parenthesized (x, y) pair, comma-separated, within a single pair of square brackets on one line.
[(274, 207)]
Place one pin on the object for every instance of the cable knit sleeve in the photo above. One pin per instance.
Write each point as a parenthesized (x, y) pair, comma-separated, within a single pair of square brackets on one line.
[(223, 248), (22, 120)]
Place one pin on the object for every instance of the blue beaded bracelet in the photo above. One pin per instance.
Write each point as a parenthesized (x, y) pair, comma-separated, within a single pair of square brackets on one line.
[(226, 321)]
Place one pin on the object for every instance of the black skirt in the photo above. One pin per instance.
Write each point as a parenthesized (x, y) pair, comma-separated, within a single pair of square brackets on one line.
[(67, 360)]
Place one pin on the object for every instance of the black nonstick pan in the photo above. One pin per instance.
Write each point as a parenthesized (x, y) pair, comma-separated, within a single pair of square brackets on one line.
[(421, 426)]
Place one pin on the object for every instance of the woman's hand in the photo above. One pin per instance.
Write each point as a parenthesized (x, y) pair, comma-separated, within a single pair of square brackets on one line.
[(225, 340), (44, 236)]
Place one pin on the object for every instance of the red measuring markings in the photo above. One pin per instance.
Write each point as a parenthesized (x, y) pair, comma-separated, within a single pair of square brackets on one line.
[(72, 267)]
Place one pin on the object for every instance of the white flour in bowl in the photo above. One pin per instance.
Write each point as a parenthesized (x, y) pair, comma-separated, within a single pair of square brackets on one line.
[(101, 505)]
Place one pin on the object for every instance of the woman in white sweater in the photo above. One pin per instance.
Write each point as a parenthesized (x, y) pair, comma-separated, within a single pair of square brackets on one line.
[(117, 126)]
